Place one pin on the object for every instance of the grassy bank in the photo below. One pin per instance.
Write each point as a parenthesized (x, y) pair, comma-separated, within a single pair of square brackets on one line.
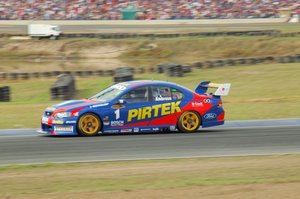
[(125, 179), (76, 54), (258, 92)]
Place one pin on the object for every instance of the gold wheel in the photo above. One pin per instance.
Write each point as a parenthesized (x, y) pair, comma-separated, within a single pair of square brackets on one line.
[(89, 124), (189, 121)]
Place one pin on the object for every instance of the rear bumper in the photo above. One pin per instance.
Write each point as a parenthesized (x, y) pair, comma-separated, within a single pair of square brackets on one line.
[(212, 123)]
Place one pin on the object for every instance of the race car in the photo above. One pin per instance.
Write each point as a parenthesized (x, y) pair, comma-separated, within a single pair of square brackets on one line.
[(138, 106)]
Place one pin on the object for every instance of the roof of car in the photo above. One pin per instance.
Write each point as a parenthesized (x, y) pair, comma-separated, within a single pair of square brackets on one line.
[(148, 82)]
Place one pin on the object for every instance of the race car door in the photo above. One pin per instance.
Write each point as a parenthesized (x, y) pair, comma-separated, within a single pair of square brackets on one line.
[(167, 102), (132, 109)]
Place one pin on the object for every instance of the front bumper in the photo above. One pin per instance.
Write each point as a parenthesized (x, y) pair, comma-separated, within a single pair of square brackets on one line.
[(55, 126)]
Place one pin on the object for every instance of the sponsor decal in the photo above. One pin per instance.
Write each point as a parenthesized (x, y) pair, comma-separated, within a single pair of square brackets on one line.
[(66, 102), (57, 122), (124, 84), (206, 101), (210, 116), (155, 129), (126, 130), (112, 131), (99, 105), (117, 106), (146, 129), (44, 120), (117, 123), (63, 128), (197, 104), (119, 87), (136, 130), (105, 120), (153, 111), (162, 98), (71, 122), (50, 109)]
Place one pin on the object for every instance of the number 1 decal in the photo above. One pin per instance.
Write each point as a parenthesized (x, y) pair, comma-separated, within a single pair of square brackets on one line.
[(117, 112)]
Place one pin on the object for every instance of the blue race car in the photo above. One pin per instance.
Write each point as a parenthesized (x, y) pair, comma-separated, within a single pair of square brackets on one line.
[(138, 106)]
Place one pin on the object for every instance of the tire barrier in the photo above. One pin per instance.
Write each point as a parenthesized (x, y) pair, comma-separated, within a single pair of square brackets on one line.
[(139, 70), (168, 35), (108, 73), (172, 69), (5, 94), (49, 74), (160, 68), (289, 34), (186, 68), (63, 88), (247, 61), (3, 75), (123, 74), (197, 65)]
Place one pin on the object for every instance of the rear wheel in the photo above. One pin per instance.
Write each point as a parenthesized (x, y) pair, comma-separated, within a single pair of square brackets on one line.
[(89, 124), (189, 121)]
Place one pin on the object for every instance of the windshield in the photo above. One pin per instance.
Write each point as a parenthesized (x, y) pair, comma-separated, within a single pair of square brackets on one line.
[(56, 28), (107, 94)]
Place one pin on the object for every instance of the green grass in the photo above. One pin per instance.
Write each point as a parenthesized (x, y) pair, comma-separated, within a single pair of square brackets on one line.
[(17, 180), (258, 92)]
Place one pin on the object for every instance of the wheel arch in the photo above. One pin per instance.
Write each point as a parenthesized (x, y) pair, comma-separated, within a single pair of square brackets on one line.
[(193, 110)]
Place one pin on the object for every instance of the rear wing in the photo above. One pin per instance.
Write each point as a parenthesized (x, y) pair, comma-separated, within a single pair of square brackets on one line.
[(221, 89)]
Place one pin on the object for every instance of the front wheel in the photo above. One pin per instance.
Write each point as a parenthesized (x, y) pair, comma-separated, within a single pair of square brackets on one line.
[(52, 37), (89, 124), (189, 121)]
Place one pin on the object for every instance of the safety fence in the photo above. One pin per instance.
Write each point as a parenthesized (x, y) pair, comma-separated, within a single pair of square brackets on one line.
[(5, 94), (167, 35), (170, 69)]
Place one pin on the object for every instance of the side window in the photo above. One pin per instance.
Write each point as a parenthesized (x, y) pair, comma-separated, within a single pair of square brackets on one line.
[(176, 94), (161, 93), (136, 95)]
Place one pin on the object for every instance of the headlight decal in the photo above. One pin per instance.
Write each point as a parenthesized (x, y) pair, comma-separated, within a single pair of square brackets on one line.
[(63, 114)]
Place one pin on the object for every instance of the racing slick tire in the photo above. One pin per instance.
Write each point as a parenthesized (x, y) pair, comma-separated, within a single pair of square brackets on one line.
[(189, 121), (89, 124)]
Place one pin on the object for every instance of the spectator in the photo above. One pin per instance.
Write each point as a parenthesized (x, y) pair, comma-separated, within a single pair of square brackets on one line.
[(148, 9)]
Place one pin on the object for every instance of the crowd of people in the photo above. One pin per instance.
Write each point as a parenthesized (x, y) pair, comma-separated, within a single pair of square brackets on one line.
[(145, 9)]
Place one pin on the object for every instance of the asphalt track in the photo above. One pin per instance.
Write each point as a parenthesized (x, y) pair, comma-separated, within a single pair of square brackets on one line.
[(236, 138), (88, 28)]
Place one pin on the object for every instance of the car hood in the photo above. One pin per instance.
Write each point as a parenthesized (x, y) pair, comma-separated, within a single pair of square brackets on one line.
[(76, 104)]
